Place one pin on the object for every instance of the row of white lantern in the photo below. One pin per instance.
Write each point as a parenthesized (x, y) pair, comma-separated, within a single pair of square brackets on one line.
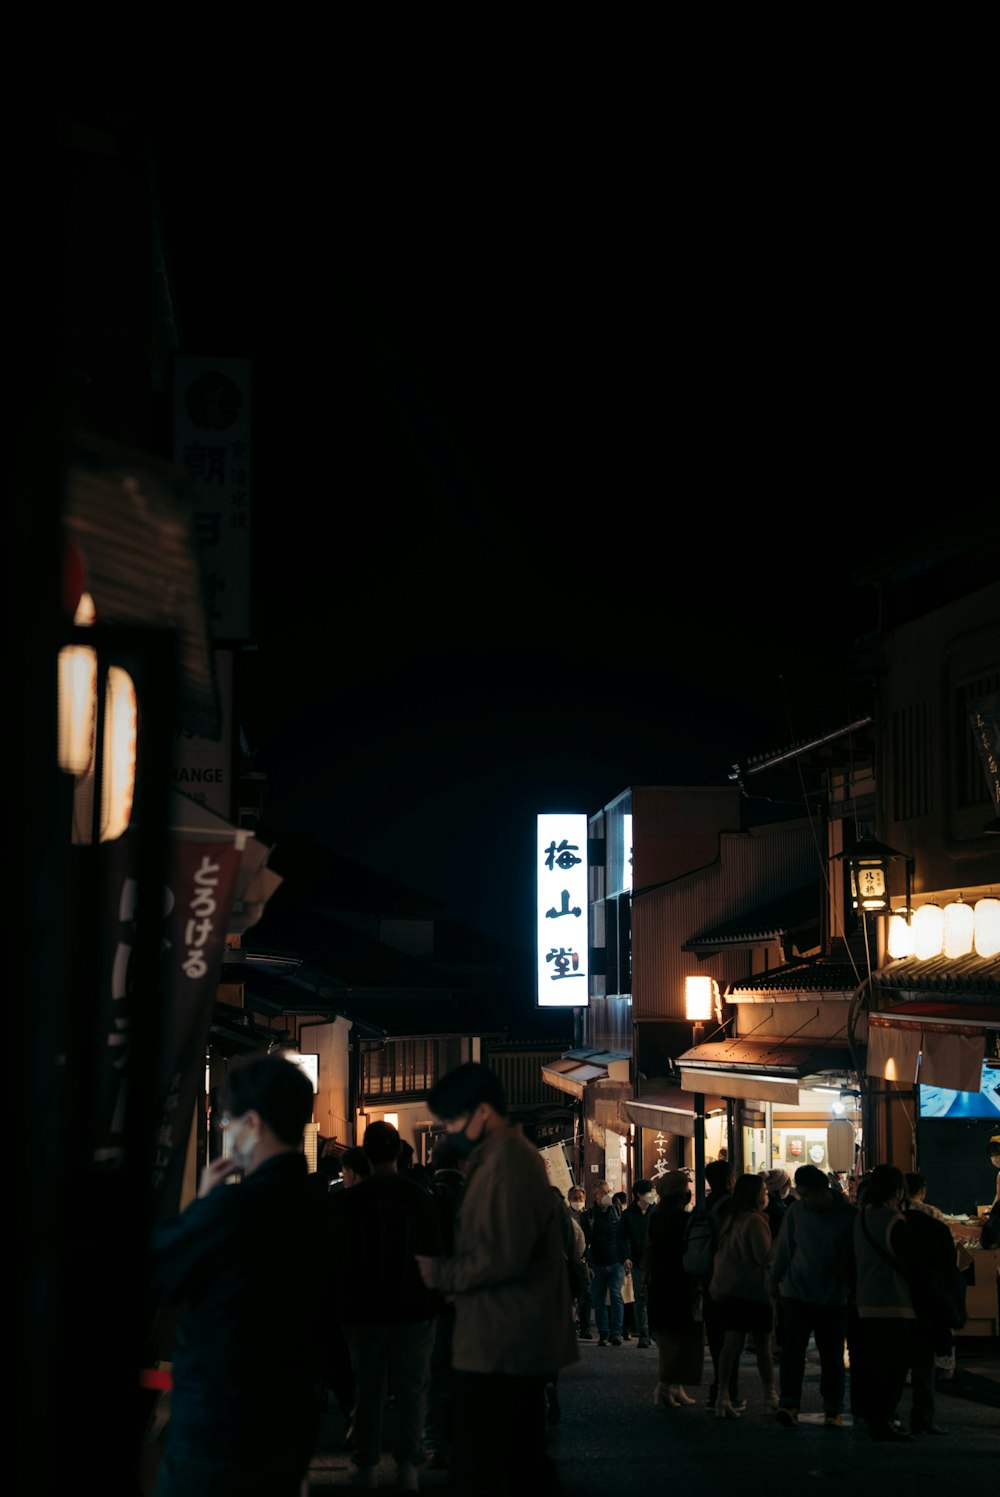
[(956, 930)]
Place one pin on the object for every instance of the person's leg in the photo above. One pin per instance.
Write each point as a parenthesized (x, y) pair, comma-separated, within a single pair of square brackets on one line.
[(732, 1344), (765, 1366), (714, 1335), (796, 1325), (641, 1306), (584, 1306), (598, 1294), (409, 1357), (922, 1378), (370, 1349), (829, 1330), (887, 1357), (616, 1278)]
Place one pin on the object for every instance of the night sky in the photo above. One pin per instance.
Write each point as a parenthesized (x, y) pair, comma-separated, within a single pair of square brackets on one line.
[(553, 494)]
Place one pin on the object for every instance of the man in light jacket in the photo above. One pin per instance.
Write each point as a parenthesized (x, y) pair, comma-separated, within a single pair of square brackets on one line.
[(509, 1280)]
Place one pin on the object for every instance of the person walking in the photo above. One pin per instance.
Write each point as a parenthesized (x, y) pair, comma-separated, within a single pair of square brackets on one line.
[(674, 1297), (245, 1407), (389, 1313), (509, 1281), (447, 1186), (637, 1218), (740, 1288), (881, 1359), (706, 1222), (576, 1199), (610, 1260), (812, 1272)]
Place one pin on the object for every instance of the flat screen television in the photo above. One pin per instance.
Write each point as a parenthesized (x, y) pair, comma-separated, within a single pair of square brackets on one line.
[(940, 1102)]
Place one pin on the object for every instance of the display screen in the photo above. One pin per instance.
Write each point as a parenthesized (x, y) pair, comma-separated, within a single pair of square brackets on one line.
[(940, 1102)]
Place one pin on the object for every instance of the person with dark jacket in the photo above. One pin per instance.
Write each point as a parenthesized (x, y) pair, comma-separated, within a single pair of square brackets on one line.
[(719, 1179), (813, 1273), (447, 1184), (390, 1315), (609, 1251), (576, 1199), (675, 1298), (244, 1408), (636, 1218)]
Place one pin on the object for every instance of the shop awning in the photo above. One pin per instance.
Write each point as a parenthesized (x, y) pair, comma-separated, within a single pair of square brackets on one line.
[(764, 1070), (668, 1110), (574, 1071), (948, 1038)]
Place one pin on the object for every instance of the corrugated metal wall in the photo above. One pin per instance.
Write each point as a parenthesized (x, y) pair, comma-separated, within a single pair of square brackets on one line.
[(753, 868)]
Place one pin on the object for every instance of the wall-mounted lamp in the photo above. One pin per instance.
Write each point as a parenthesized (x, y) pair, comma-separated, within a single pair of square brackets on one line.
[(81, 724), (701, 1003)]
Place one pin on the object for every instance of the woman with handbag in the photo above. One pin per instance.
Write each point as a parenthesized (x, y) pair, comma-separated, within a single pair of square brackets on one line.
[(740, 1286)]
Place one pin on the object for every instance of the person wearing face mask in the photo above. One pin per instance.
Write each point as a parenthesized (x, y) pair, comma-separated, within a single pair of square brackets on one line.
[(513, 1318), (610, 1260), (636, 1218), (244, 1408), (576, 1199)]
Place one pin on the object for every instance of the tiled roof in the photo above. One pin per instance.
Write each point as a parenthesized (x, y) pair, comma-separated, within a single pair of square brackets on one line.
[(766, 922), (813, 975), (960, 977)]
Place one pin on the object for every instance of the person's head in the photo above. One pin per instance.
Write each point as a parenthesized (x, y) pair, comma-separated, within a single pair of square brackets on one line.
[(884, 1186), (620, 1199), (446, 1156), (267, 1101), (719, 1177), (576, 1198), (749, 1194), (993, 1149), (602, 1195), (674, 1190), (354, 1165), (382, 1145), (916, 1185), (644, 1191), (811, 1183), (471, 1102), (778, 1184)]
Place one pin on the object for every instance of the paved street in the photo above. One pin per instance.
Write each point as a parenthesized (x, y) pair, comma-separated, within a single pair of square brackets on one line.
[(612, 1438)]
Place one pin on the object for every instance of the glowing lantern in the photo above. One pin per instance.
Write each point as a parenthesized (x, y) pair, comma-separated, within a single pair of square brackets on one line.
[(987, 927), (928, 931), (900, 940), (959, 924)]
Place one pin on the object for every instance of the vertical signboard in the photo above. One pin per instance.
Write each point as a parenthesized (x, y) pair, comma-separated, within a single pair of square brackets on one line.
[(561, 906), (212, 441)]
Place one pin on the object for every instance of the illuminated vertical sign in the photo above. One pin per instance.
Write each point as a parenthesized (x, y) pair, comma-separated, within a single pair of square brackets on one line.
[(627, 851), (561, 902)]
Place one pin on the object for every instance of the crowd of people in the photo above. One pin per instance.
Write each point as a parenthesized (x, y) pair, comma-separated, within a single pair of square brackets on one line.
[(455, 1294), (767, 1263)]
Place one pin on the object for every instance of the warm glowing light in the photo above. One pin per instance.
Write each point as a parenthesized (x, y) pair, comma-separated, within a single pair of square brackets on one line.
[(959, 926), (118, 761), (77, 708), (987, 927), (391, 1117), (928, 931), (699, 995), (900, 942)]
